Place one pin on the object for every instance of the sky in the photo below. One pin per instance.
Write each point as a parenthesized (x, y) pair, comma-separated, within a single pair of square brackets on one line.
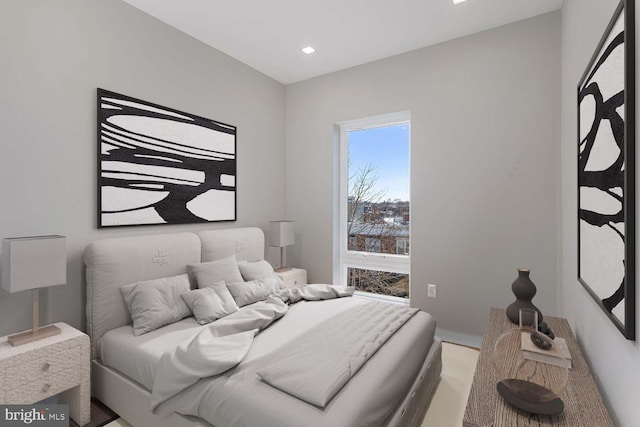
[(387, 148)]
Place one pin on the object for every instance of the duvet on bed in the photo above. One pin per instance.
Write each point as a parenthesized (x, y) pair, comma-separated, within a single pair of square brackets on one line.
[(239, 397)]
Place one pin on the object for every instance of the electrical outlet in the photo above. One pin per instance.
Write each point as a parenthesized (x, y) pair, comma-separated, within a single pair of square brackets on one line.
[(432, 291)]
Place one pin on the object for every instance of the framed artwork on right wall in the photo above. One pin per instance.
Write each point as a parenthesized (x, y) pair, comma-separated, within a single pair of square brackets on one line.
[(606, 172)]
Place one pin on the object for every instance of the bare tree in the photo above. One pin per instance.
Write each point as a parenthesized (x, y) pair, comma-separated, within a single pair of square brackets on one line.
[(380, 282), (362, 191)]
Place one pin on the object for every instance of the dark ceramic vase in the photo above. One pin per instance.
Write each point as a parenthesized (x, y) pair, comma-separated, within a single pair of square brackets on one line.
[(524, 290)]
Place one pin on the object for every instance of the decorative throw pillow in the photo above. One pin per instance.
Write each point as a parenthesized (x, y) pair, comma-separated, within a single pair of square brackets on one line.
[(253, 291), (228, 303), (209, 273), (258, 270), (255, 270), (207, 305), (155, 303)]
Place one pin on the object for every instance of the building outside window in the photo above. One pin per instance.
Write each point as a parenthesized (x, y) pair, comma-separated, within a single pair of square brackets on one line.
[(402, 246)]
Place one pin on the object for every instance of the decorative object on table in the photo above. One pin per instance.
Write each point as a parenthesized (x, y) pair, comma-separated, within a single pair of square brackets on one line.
[(555, 352), (157, 165), (545, 329), (528, 318), (30, 263), (282, 234), (606, 172), (540, 341), (524, 290), (531, 385)]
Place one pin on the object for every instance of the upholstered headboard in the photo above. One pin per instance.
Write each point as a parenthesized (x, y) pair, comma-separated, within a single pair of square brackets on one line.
[(246, 243), (111, 263)]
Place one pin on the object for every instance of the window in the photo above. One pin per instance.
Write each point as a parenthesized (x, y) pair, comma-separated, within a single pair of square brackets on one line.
[(372, 236), (379, 282)]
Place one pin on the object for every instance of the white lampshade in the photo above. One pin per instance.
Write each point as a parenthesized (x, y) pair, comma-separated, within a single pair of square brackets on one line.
[(282, 233), (33, 262)]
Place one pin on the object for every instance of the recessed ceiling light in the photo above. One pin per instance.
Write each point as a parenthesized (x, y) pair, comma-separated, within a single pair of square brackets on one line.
[(308, 50), (458, 1)]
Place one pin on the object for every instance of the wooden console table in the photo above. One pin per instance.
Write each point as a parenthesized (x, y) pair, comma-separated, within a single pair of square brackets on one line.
[(583, 404)]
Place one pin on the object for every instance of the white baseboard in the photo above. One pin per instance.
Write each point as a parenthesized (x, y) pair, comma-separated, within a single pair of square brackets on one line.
[(459, 338)]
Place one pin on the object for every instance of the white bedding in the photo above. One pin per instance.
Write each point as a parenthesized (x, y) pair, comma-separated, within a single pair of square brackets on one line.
[(138, 357), (319, 364), (238, 397)]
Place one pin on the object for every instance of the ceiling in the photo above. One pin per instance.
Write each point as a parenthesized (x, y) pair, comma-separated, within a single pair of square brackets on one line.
[(268, 35)]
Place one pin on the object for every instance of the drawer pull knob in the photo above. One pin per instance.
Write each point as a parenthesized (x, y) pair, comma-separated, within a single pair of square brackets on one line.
[(46, 366), (46, 388)]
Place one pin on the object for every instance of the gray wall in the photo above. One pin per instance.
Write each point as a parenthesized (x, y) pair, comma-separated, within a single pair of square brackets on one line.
[(614, 360), (54, 56), (485, 156), (484, 164)]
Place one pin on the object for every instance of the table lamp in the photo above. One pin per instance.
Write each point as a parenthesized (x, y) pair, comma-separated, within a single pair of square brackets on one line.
[(30, 263), (281, 234)]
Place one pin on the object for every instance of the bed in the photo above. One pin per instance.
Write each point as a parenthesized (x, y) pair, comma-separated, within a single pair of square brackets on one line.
[(392, 388)]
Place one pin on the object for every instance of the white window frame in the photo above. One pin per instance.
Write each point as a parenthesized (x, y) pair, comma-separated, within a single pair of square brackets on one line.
[(343, 258)]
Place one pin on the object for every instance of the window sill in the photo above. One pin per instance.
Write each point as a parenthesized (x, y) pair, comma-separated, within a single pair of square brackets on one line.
[(379, 297)]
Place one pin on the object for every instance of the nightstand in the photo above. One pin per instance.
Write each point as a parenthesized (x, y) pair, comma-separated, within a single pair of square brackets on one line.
[(57, 365), (293, 278)]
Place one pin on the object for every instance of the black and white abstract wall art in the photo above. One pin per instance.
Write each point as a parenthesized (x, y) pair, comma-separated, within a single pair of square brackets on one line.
[(606, 172), (157, 165)]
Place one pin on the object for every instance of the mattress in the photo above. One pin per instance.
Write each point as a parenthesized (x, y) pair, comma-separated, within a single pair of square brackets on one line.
[(239, 398)]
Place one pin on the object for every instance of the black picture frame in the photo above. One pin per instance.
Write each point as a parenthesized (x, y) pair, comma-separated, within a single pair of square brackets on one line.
[(606, 172), (157, 165)]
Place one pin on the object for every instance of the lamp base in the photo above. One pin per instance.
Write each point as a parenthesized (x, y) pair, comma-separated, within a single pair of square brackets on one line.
[(282, 269), (33, 335)]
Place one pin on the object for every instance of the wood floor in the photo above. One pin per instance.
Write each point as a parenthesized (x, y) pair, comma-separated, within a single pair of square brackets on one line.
[(100, 415)]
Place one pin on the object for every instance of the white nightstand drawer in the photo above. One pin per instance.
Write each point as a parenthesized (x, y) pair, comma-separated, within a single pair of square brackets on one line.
[(41, 363), (44, 387), (23, 370)]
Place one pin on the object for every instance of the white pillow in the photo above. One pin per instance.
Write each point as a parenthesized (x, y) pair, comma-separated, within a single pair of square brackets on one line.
[(209, 273), (155, 303), (255, 270), (256, 290), (258, 270), (228, 303), (210, 303)]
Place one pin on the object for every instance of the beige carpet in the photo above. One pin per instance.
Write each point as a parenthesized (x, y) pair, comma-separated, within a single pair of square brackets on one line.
[(450, 400)]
